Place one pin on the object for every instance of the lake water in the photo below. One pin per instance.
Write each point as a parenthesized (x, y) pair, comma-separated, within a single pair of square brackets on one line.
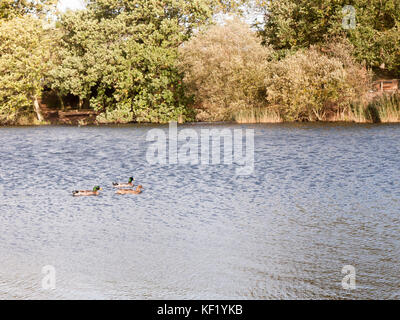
[(321, 197)]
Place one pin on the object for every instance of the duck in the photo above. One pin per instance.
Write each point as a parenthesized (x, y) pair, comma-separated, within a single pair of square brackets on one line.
[(94, 192), (130, 191), (124, 185)]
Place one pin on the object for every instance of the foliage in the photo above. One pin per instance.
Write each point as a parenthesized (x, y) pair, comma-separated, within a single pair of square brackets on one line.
[(10, 9), (148, 87), (225, 67), (296, 24), (25, 53), (121, 55), (312, 85), (153, 60)]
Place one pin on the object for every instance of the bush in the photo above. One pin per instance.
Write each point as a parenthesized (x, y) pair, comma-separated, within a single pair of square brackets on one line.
[(225, 67), (315, 84)]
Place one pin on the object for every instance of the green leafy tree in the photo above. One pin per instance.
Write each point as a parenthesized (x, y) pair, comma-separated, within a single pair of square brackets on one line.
[(24, 57), (10, 9), (293, 24), (122, 57)]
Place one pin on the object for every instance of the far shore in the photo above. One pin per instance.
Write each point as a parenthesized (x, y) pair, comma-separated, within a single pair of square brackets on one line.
[(94, 124)]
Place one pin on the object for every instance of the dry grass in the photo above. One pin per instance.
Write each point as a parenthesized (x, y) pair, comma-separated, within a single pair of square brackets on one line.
[(29, 120), (388, 107), (257, 115), (384, 109), (356, 113)]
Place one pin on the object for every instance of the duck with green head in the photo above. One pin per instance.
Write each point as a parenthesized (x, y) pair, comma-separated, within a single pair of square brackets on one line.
[(82, 193), (124, 185)]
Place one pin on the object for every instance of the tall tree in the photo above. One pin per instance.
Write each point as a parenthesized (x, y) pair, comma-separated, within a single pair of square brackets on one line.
[(225, 68), (294, 24), (24, 57), (122, 56)]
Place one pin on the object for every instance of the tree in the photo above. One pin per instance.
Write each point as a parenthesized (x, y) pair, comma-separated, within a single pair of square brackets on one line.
[(121, 56), (225, 66), (316, 83), (25, 53), (10, 9), (295, 24)]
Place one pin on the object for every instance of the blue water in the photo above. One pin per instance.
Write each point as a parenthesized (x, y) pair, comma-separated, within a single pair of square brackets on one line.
[(321, 197)]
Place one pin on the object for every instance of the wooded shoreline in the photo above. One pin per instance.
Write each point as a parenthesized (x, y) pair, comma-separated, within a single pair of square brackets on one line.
[(138, 61)]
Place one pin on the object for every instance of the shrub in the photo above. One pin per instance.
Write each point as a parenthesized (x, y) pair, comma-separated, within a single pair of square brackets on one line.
[(315, 85), (225, 66)]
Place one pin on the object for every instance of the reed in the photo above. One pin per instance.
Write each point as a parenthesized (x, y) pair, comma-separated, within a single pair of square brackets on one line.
[(385, 109), (355, 113), (29, 120), (257, 115), (388, 108)]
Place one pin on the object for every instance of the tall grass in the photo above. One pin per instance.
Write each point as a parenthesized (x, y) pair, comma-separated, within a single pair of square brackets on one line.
[(355, 113), (387, 108), (383, 109), (257, 115), (27, 120)]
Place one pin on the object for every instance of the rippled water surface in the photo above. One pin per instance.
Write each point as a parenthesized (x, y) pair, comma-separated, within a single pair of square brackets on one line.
[(321, 197)]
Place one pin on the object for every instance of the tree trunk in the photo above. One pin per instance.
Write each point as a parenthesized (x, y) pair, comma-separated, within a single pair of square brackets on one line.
[(37, 109), (61, 101)]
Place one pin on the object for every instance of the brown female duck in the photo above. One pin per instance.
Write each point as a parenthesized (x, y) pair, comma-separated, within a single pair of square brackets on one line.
[(130, 191)]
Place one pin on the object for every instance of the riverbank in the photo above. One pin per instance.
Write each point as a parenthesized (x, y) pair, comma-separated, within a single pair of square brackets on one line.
[(84, 123), (383, 108), (386, 109)]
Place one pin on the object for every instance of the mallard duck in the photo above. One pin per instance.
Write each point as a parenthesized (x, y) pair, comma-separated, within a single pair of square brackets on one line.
[(95, 192), (130, 191), (124, 185)]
